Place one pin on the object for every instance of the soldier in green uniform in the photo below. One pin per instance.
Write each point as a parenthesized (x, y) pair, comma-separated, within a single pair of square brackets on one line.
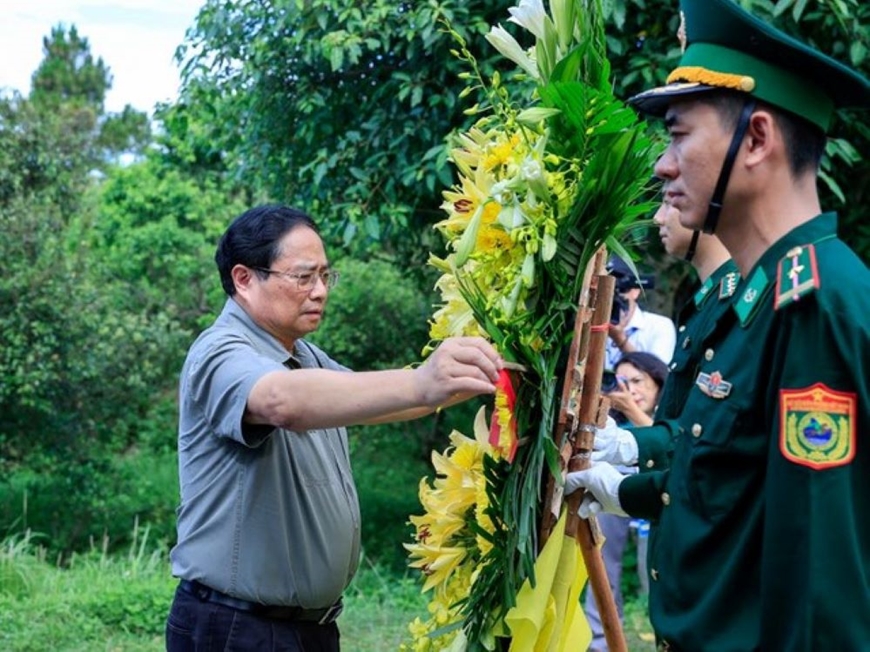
[(650, 447), (763, 519)]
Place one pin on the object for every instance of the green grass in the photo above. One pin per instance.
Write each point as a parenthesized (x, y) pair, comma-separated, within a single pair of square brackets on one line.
[(118, 603)]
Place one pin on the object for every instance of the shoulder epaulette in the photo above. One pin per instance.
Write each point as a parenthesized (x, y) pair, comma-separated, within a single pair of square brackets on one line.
[(796, 275)]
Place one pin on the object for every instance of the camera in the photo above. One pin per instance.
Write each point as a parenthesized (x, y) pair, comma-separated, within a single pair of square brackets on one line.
[(609, 381), (620, 306), (625, 281)]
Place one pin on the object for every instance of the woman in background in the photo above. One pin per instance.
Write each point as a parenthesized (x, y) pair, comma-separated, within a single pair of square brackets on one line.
[(640, 377)]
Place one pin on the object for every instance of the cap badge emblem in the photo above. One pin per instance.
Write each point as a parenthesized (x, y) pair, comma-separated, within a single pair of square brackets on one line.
[(681, 32)]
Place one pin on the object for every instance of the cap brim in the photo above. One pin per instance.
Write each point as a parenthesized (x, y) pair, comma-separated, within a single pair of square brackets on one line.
[(655, 101)]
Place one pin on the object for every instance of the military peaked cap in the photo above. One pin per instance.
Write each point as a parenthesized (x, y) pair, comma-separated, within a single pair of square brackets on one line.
[(727, 48)]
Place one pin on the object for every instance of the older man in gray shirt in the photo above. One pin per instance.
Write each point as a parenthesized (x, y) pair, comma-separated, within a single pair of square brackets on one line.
[(269, 523)]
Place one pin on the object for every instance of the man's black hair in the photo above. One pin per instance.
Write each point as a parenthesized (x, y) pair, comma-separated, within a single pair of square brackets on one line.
[(253, 239)]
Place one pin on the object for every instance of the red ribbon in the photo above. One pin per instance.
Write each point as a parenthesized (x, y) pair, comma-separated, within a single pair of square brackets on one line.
[(505, 387)]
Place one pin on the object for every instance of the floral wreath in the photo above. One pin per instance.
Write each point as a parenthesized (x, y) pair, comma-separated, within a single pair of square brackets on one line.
[(541, 187)]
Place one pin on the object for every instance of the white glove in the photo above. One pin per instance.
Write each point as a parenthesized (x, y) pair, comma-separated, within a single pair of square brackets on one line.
[(614, 445), (601, 482)]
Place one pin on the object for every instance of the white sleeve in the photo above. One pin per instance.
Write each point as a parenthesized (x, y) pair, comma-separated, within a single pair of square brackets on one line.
[(665, 339)]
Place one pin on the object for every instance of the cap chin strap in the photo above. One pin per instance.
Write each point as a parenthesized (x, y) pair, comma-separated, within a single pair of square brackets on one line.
[(693, 246), (725, 174)]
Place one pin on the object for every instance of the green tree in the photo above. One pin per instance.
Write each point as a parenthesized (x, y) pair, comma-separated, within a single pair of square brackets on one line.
[(83, 374), (156, 231), (72, 85), (338, 107), (343, 109), (69, 74), (41, 154), (126, 132)]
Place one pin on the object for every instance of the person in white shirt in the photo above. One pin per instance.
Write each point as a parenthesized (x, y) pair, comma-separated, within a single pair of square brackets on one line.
[(632, 328)]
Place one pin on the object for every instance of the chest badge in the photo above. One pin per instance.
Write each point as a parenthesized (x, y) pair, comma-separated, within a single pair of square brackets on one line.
[(713, 384), (817, 426)]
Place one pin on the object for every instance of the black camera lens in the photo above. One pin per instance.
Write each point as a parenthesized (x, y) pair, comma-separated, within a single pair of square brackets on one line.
[(620, 306), (608, 382)]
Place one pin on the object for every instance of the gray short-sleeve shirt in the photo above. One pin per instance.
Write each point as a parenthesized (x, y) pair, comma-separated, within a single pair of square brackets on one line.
[(266, 514)]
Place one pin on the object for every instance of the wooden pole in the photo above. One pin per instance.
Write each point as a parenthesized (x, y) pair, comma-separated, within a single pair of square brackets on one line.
[(572, 386), (582, 410), (589, 416)]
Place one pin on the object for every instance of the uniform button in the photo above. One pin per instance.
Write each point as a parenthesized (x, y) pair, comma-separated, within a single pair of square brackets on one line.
[(697, 429), (682, 328), (672, 366), (650, 464), (708, 355), (686, 342), (666, 498), (654, 575)]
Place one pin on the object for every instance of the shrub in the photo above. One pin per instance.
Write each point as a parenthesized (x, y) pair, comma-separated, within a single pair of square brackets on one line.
[(70, 505)]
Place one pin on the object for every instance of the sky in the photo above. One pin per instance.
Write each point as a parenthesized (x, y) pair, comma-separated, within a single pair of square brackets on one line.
[(135, 38)]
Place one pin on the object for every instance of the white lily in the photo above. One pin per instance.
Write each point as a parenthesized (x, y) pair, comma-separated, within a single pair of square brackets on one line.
[(511, 216), (460, 642), (469, 237), (509, 303), (548, 249), (531, 15), (533, 173), (503, 191), (502, 41), (528, 272)]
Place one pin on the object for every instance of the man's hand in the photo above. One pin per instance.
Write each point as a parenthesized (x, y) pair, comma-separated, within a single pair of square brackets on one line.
[(601, 482), (461, 367), (614, 445)]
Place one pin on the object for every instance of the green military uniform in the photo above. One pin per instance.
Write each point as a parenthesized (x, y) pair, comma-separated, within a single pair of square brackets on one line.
[(777, 486), (696, 319), (762, 537)]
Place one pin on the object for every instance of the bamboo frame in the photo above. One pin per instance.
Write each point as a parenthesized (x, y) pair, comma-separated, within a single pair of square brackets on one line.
[(582, 410)]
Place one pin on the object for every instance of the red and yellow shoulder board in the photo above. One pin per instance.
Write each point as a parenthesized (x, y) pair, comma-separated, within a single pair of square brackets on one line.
[(818, 426), (796, 275)]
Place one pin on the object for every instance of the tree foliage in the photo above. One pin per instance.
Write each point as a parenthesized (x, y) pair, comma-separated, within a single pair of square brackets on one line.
[(343, 108), (71, 83), (81, 371), (338, 107), (156, 230), (69, 74)]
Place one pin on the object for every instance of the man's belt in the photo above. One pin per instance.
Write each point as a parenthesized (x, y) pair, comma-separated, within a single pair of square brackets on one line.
[(207, 594)]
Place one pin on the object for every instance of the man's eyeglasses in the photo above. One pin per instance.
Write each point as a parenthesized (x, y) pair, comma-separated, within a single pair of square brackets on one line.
[(305, 281)]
